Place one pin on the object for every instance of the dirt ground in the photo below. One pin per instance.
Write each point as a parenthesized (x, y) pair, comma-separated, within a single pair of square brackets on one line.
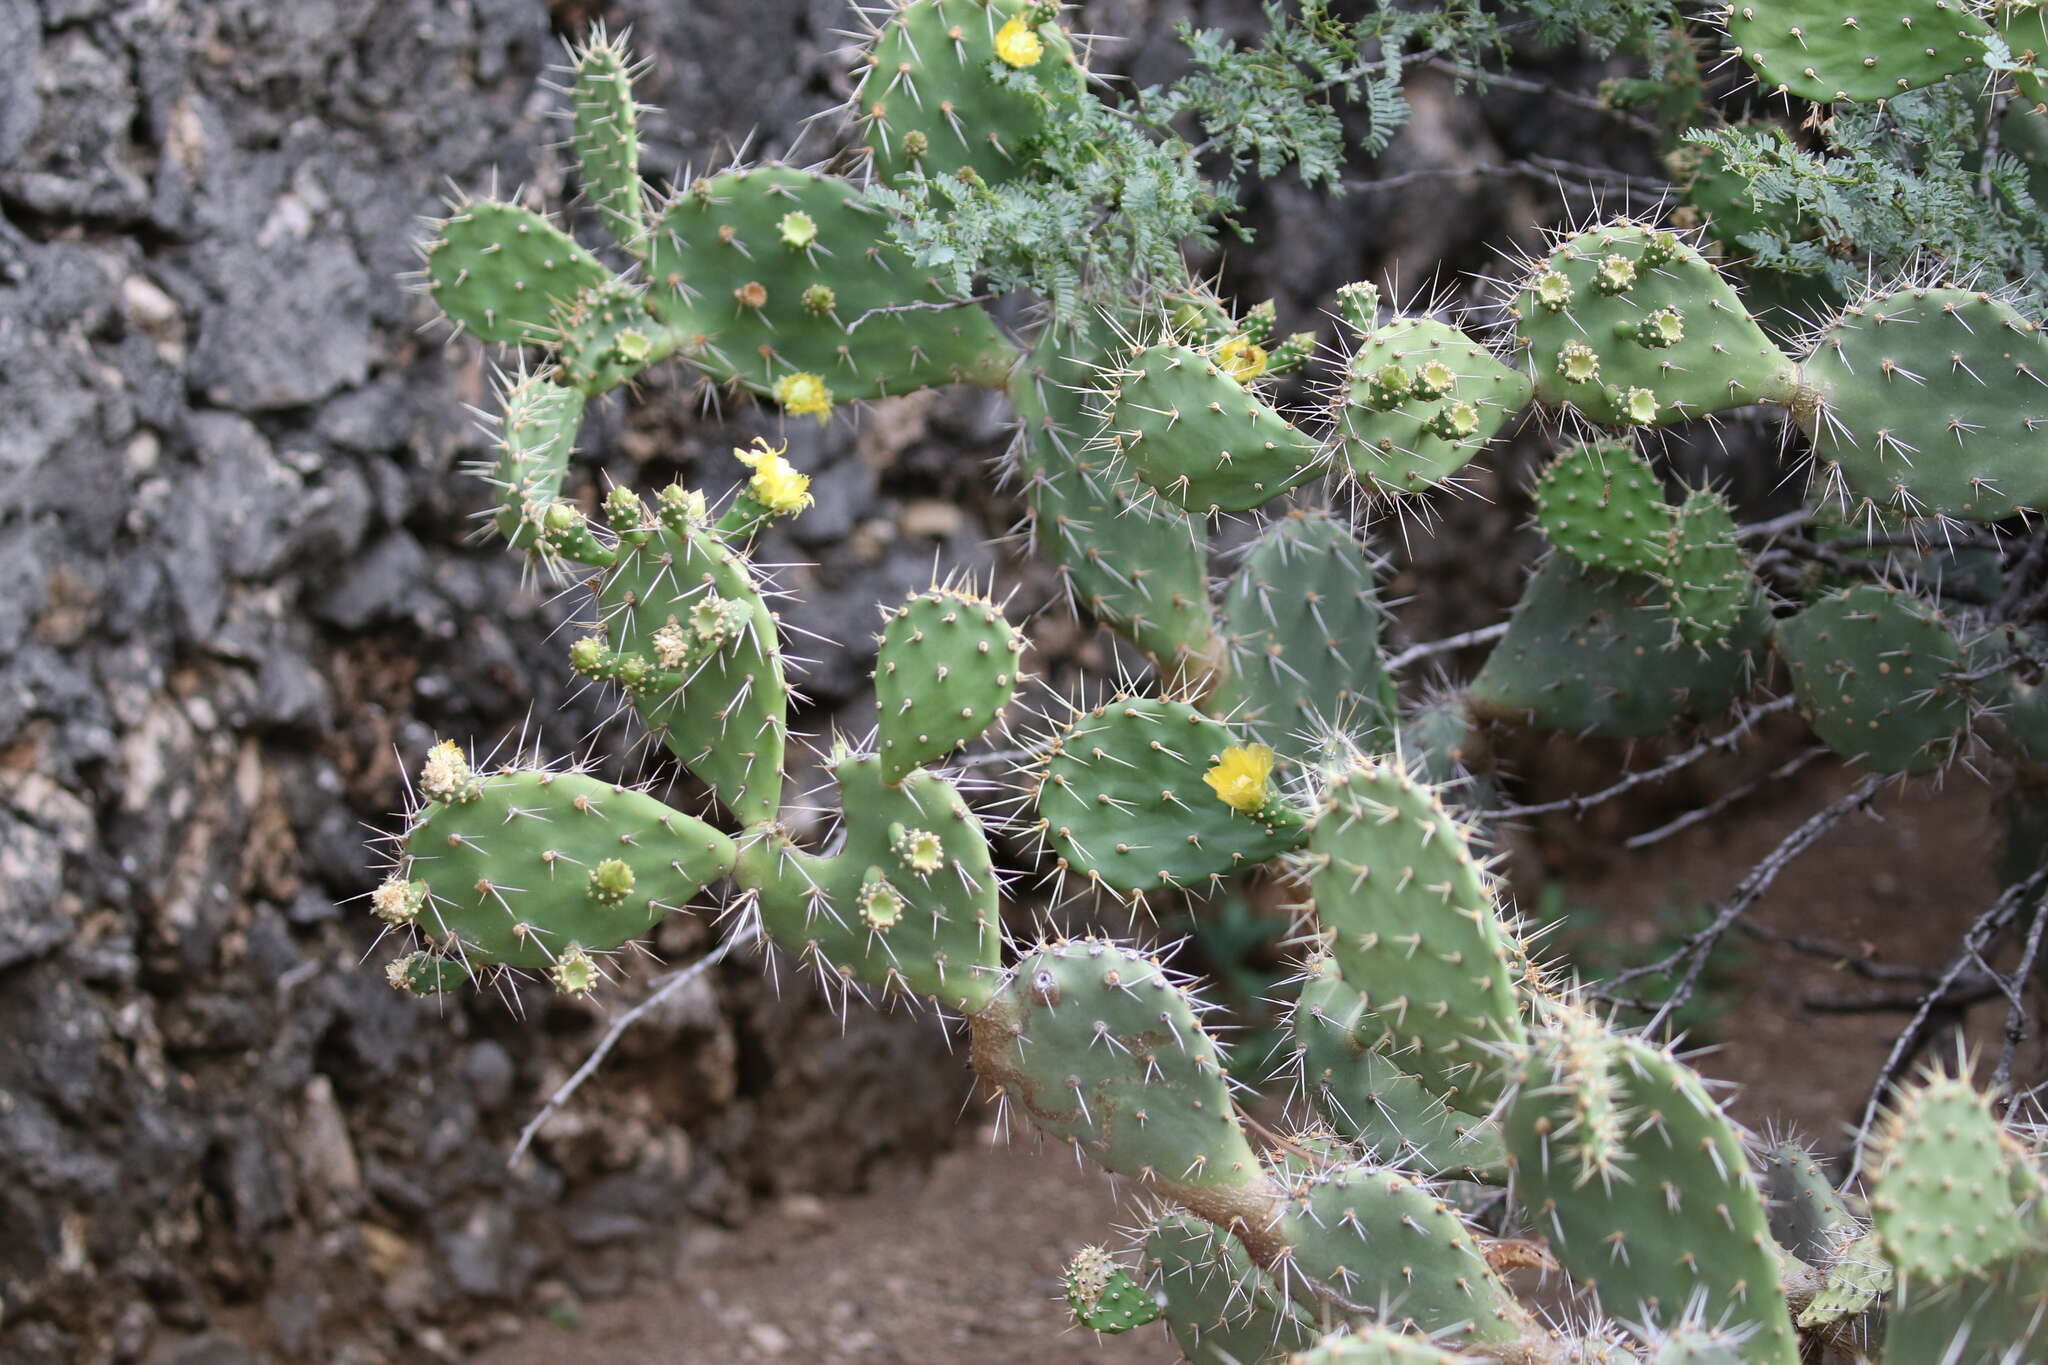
[(963, 1265)]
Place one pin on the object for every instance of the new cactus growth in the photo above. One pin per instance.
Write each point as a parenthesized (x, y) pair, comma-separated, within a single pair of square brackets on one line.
[(947, 667), (1603, 505), (1708, 587)]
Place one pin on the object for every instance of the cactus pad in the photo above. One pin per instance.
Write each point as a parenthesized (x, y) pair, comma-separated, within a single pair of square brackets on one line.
[(1198, 437), (522, 866), (1132, 562), (1869, 667), (605, 118), (1221, 1308), (1124, 799), (685, 632), (1807, 1216), (1419, 399), (1367, 1344), (1708, 587), (908, 901), (1933, 402), (1102, 1295), (1603, 505), (536, 436), (1417, 929), (1816, 51), (1952, 1194), (1378, 1238), (1592, 654), (1642, 1186), (501, 272), (946, 669), (1303, 625), (1366, 1097), (963, 87), (1095, 1044), (1632, 326), (773, 275), (1858, 1277)]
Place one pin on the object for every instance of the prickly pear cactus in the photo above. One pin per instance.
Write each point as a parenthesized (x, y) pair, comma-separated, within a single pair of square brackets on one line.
[(539, 869), (1631, 326), (947, 666), (1197, 436), (1602, 504), (1871, 667), (1819, 52)]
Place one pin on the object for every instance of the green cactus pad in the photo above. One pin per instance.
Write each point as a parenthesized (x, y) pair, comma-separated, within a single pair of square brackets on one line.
[(1416, 928), (608, 336), (1367, 1098), (1102, 1295), (1632, 326), (1419, 400), (1708, 587), (1096, 1045), (1603, 505), (1858, 1276), (1221, 1308), (941, 97), (1642, 1186), (1124, 798), (770, 273), (908, 901), (1933, 402), (536, 437), (1816, 51), (1303, 625), (685, 632), (501, 272), (1592, 654), (1952, 1193), (946, 669), (1808, 1218), (522, 865), (1132, 562), (1698, 1346), (1379, 1239), (1196, 436), (607, 137), (1870, 669), (1367, 1344), (1990, 1319)]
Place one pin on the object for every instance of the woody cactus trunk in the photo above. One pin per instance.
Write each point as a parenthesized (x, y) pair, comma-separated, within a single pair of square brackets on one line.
[(1436, 1056)]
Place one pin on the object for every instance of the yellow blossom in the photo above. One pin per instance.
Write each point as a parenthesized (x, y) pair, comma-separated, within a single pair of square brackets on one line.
[(1240, 359), (1018, 43), (804, 395), (1242, 777), (776, 485)]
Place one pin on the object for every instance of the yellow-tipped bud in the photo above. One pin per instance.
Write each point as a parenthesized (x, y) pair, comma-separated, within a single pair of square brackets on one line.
[(804, 395)]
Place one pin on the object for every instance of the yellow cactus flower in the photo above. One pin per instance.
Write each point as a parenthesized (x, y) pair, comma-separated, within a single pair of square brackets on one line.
[(776, 485), (1018, 43), (1242, 777), (804, 395), (1240, 359)]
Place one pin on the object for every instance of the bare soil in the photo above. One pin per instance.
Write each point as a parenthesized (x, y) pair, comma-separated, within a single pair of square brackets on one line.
[(962, 1263)]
